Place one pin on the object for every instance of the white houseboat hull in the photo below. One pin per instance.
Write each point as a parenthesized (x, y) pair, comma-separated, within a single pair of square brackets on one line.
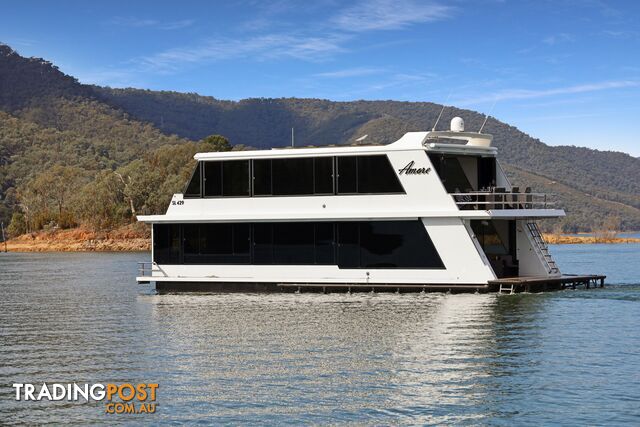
[(447, 216)]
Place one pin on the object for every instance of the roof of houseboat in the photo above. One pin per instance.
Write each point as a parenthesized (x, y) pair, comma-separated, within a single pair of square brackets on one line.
[(440, 141)]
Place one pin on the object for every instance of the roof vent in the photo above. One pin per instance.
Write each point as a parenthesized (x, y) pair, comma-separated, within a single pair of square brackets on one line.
[(457, 124)]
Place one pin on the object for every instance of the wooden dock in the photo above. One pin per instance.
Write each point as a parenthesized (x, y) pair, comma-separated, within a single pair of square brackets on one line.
[(540, 284)]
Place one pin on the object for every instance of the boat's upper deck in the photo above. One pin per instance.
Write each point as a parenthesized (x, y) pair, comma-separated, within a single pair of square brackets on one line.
[(423, 174), (468, 143)]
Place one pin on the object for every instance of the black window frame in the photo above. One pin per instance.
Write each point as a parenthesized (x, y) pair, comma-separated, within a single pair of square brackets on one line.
[(390, 171), (221, 190), (249, 178), (198, 170), (253, 178), (333, 176), (311, 179), (342, 173), (335, 173), (204, 180), (314, 178)]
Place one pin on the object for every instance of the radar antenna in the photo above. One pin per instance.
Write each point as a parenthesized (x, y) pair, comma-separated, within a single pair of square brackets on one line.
[(486, 116), (441, 111)]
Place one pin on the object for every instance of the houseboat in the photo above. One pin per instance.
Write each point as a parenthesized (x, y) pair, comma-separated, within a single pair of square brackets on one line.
[(431, 211)]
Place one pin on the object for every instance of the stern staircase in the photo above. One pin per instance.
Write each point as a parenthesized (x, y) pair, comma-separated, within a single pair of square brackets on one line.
[(542, 248)]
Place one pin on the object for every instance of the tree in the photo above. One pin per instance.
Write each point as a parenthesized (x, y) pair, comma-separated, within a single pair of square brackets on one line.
[(609, 229), (217, 143), (102, 203), (49, 197)]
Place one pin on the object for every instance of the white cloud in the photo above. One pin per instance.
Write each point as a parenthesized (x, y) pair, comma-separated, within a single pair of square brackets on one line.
[(416, 83), (271, 46), (622, 34), (389, 15), (176, 25), (107, 77), (558, 38), (133, 22), (13, 41), (313, 43), (515, 94), (349, 72)]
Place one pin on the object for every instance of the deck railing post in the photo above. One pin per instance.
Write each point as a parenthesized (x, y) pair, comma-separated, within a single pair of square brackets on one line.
[(4, 238)]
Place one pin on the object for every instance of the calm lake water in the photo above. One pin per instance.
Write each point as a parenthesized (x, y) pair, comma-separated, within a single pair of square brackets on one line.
[(566, 357)]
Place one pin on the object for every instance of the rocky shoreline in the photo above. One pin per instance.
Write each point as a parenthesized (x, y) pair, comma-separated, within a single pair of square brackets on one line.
[(564, 239), (132, 238)]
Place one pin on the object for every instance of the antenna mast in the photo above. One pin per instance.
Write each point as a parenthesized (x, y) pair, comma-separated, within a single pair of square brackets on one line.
[(486, 116), (441, 111), (438, 119)]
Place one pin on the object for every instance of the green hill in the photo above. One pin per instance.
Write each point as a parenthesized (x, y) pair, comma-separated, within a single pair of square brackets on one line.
[(108, 139), (267, 123)]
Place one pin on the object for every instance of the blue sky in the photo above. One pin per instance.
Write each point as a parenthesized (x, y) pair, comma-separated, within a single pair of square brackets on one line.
[(564, 71)]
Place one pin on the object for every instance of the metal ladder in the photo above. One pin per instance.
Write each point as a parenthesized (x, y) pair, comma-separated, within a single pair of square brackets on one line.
[(504, 288), (552, 267)]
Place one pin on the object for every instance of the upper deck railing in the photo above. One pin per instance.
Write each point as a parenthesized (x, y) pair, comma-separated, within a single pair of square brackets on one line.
[(497, 198)]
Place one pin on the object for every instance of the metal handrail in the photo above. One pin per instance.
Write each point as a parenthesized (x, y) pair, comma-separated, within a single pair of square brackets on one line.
[(145, 268), (498, 200)]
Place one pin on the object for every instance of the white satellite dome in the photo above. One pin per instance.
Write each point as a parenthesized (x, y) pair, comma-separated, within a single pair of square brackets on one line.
[(457, 124)]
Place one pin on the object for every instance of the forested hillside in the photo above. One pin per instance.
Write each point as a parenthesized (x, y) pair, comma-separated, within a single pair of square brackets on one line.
[(609, 175), (67, 158), (75, 154)]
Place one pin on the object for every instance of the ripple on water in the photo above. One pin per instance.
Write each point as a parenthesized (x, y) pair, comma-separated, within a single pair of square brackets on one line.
[(564, 357)]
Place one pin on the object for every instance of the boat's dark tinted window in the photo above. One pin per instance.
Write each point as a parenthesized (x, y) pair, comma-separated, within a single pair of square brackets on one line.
[(193, 188), (293, 243), (486, 172), (216, 239), (160, 243), (235, 178), (299, 176), (324, 243), (374, 244), (489, 238), (451, 173), (242, 240), (292, 176), (397, 244), (166, 243), (347, 175), (455, 179), (212, 179), (214, 243), (376, 175), (262, 177), (380, 244), (348, 244), (263, 243), (323, 175), (175, 243), (191, 246)]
